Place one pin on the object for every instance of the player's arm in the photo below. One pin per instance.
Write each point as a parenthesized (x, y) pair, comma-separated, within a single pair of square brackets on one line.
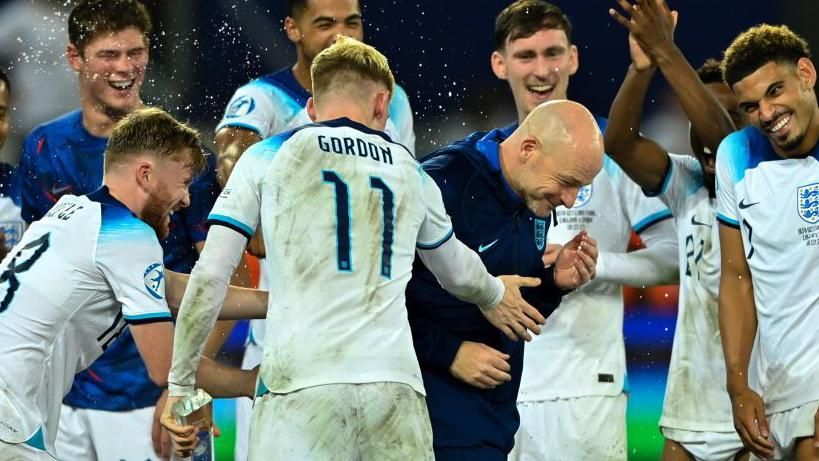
[(656, 264), (231, 142), (240, 303), (737, 325), (652, 26)]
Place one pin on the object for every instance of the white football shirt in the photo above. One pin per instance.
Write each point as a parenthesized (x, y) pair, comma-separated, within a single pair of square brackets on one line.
[(774, 202), (336, 178), (695, 396), (68, 290)]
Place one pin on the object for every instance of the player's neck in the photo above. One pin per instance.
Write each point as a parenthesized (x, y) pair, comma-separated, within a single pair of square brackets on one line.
[(301, 70), (119, 188), (99, 122)]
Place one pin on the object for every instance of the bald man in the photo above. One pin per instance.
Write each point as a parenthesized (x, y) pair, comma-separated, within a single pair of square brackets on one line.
[(499, 189)]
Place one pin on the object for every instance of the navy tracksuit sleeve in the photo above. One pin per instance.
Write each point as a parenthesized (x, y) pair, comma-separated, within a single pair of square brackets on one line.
[(435, 345), (545, 297)]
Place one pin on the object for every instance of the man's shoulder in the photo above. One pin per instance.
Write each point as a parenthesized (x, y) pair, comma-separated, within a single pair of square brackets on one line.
[(66, 126), (453, 159)]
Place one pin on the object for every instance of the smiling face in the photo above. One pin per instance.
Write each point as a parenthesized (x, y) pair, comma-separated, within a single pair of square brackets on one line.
[(778, 98), (111, 71), (537, 68), (316, 27), (168, 194)]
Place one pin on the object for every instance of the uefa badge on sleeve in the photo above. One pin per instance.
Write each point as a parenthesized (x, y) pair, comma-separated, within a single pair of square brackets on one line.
[(807, 203), (154, 278), (540, 234)]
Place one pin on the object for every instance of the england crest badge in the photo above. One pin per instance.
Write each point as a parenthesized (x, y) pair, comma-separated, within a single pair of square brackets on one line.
[(540, 234), (583, 196), (807, 203)]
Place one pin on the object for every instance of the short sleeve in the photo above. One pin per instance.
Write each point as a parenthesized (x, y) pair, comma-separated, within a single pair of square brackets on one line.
[(130, 258), (250, 108), (401, 117), (682, 179), (239, 204), (727, 154), (642, 211), (436, 227)]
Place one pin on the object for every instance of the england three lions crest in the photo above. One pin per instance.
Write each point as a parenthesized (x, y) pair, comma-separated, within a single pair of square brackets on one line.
[(540, 234), (584, 194), (807, 203)]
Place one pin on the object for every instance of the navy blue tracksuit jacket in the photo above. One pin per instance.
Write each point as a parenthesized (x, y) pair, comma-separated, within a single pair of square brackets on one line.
[(492, 220)]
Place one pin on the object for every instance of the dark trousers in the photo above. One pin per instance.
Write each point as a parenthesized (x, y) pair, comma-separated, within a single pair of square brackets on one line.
[(484, 453)]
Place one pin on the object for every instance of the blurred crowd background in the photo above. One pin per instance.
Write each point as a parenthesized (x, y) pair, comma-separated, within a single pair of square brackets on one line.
[(202, 50)]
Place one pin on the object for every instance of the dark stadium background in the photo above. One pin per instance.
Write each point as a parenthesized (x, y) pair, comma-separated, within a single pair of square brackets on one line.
[(203, 49)]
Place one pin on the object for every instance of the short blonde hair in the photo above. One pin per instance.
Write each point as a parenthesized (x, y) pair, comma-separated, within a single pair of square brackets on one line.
[(155, 132), (349, 56)]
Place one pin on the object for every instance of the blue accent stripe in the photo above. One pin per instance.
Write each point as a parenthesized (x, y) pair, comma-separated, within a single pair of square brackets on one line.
[(245, 126), (651, 220), (37, 440), (626, 384), (149, 316), (261, 389), (231, 222), (722, 219), (432, 246)]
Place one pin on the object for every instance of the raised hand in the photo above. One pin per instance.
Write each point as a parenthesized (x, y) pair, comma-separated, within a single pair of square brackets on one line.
[(651, 27)]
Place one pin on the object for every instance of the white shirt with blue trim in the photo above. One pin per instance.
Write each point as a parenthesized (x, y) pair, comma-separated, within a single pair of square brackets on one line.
[(68, 290), (581, 350), (342, 209), (774, 202)]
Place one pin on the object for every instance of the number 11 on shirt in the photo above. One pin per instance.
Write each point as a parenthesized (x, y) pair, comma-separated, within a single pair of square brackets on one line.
[(343, 232)]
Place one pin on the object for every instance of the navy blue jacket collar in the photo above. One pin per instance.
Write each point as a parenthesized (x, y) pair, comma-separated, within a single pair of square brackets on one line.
[(489, 147)]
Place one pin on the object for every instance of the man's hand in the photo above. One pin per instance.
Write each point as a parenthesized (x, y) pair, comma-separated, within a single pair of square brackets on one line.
[(183, 437), (550, 255), (651, 27), (576, 262), (513, 315), (750, 422), (159, 436), (481, 366)]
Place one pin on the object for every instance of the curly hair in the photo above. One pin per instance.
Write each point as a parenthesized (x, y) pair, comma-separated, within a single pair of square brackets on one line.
[(758, 46), (710, 71)]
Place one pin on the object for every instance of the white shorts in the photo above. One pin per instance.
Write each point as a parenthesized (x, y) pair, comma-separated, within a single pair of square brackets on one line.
[(787, 426), (94, 435), (579, 428), (22, 452), (704, 445), (342, 422), (244, 407)]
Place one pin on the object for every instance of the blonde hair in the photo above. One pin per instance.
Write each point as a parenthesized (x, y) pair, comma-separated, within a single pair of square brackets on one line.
[(347, 56), (155, 132)]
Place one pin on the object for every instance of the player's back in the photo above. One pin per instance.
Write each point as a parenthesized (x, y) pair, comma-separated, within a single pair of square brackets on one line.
[(57, 310), (341, 209)]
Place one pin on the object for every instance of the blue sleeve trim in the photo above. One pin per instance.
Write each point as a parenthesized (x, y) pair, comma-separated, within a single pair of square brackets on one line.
[(651, 220), (148, 318), (242, 125), (432, 246), (722, 219), (666, 181), (231, 223)]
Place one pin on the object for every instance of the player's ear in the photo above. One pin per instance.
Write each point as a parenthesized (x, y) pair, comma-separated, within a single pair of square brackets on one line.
[(311, 108), (382, 105), (74, 57), (292, 30), (144, 174), (498, 65), (806, 71)]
